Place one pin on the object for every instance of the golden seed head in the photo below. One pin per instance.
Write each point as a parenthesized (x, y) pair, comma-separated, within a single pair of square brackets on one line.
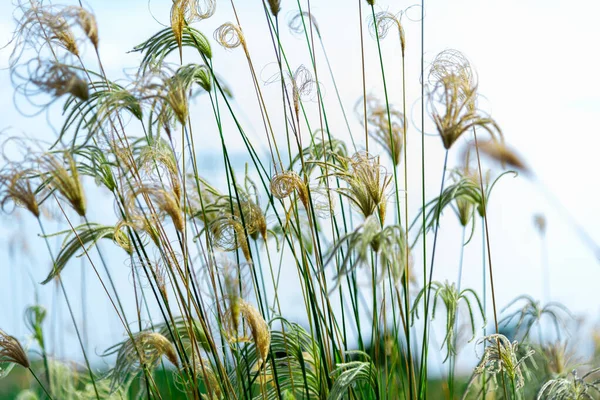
[(260, 334), (16, 186), (11, 351), (59, 79), (275, 7), (499, 152), (64, 178), (285, 183)]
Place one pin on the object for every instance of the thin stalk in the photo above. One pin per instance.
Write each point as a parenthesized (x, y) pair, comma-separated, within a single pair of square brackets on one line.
[(425, 347), (62, 286), (40, 383)]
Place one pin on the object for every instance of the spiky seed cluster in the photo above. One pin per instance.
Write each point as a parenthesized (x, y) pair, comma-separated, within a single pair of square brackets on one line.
[(260, 334), (64, 179), (285, 183), (11, 350), (385, 126), (502, 356)]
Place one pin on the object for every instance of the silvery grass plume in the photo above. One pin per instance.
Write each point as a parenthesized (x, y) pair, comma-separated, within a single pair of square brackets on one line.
[(11, 352), (386, 128), (163, 202), (500, 356), (140, 352), (259, 332), (369, 238), (298, 20), (452, 299), (532, 312), (571, 388), (230, 220)]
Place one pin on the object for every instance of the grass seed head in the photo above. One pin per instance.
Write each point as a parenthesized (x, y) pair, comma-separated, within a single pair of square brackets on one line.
[(64, 178), (59, 79), (275, 6), (11, 350), (503, 356), (285, 183), (504, 155), (15, 186)]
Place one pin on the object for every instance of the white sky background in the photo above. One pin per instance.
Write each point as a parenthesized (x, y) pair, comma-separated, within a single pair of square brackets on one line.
[(535, 62)]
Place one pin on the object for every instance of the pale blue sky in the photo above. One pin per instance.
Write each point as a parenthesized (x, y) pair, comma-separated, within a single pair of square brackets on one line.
[(535, 61)]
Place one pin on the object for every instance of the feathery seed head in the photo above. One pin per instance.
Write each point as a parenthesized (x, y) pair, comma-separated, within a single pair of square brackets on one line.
[(367, 184), (260, 334), (382, 23), (165, 201), (141, 351), (185, 12), (11, 350), (64, 178), (285, 183), (15, 186), (230, 36), (387, 128), (501, 153), (58, 79)]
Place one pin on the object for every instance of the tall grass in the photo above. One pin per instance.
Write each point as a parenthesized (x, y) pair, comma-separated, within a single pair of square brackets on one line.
[(213, 257)]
